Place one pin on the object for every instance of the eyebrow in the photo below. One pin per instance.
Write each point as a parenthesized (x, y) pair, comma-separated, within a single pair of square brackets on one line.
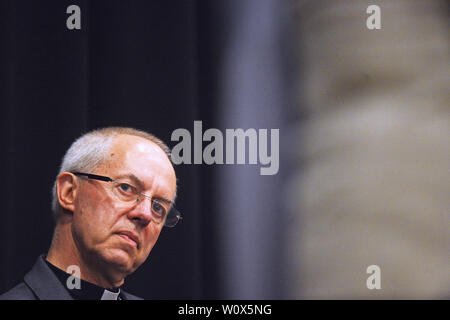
[(140, 184), (165, 200), (132, 177)]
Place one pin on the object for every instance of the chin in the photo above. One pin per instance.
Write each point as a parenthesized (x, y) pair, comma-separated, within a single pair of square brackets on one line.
[(121, 259)]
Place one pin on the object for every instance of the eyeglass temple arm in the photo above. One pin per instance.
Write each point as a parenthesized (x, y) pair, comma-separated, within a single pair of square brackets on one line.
[(93, 176)]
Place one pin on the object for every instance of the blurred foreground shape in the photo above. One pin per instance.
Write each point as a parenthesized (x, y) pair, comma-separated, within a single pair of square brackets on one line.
[(372, 169)]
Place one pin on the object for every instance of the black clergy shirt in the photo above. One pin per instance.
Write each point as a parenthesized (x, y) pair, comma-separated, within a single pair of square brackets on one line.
[(87, 290)]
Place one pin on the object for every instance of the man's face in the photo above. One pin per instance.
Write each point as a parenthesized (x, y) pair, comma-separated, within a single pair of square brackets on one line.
[(103, 227)]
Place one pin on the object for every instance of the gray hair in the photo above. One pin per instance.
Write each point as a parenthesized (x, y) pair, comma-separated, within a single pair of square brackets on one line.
[(91, 149)]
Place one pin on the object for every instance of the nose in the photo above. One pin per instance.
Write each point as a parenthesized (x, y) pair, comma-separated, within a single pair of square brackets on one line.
[(142, 212)]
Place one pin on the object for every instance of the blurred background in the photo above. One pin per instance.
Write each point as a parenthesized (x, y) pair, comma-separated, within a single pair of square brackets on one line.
[(364, 127)]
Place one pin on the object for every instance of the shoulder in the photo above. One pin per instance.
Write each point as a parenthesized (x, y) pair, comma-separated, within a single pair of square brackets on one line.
[(129, 296), (19, 292)]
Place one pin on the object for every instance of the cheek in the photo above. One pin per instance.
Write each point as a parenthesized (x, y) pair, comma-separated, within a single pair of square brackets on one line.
[(94, 220), (150, 236)]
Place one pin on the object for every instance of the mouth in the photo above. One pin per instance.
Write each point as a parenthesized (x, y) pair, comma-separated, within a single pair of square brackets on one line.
[(130, 237)]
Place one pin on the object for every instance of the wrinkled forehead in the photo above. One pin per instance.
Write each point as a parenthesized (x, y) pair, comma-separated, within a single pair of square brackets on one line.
[(141, 157)]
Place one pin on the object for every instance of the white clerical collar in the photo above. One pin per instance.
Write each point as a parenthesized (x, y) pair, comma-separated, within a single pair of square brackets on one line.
[(108, 295)]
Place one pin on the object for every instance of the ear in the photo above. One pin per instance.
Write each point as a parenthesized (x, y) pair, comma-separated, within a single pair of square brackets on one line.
[(66, 189)]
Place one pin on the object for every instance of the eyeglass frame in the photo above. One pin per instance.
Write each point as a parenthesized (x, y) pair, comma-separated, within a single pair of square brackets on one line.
[(108, 179)]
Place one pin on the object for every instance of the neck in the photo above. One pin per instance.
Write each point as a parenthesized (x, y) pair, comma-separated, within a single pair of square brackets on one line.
[(64, 252)]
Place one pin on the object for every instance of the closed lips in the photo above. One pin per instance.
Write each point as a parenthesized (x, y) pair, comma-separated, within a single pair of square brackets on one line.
[(130, 235)]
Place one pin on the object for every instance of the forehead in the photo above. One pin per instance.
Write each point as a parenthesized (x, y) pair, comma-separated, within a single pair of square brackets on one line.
[(141, 157)]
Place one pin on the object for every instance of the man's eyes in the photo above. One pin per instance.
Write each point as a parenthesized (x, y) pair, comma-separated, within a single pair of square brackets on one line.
[(158, 208), (127, 191), (125, 187)]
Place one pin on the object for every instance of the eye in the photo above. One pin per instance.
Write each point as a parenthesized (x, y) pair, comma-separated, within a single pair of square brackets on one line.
[(158, 208), (126, 188)]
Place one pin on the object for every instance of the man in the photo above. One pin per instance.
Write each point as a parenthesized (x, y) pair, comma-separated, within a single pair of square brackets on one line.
[(113, 195)]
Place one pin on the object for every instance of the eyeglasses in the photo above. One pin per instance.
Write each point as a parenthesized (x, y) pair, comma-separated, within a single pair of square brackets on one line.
[(162, 210)]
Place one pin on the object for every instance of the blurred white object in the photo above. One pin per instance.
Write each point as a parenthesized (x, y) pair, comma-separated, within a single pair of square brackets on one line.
[(373, 180)]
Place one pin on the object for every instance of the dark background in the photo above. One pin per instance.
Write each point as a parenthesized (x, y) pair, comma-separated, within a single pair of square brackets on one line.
[(152, 65), (133, 63)]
